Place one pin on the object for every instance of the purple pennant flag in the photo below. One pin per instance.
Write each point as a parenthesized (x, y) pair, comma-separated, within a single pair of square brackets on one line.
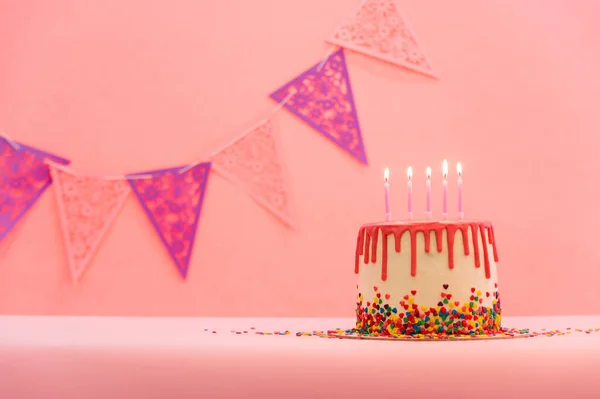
[(23, 179), (322, 97), (172, 199)]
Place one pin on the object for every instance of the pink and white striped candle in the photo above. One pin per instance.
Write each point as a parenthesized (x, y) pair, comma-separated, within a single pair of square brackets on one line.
[(409, 189), (386, 189), (461, 214), (428, 193), (445, 189)]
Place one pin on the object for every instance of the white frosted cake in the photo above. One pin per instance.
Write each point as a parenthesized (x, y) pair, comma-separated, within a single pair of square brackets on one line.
[(429, 277)]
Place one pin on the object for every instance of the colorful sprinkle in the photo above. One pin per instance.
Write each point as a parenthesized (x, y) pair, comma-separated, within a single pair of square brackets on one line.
[(354, 333), (447, 318)]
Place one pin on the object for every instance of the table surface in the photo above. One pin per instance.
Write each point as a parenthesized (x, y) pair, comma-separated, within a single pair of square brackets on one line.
[(105, 357)]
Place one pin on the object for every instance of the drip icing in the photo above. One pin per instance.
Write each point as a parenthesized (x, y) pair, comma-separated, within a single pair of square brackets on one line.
[(492, 239), (360, 246), (486, 258), (368, 238), (474, 230)]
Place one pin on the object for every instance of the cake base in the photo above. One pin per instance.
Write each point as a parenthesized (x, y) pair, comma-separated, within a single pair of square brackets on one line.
[(505, 334)]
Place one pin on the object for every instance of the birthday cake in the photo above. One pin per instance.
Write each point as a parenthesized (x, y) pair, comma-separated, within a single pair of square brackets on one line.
[(427, 278)]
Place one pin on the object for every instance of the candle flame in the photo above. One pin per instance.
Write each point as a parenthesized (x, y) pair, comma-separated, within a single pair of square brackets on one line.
[(445, 168), (386, 175), (409, 173), (459, 169), (428, 172)]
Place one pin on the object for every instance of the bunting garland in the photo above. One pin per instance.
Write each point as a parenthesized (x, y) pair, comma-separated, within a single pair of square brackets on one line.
[(87, 207), (253, 163), (172, 200), (379, 30), (24, 177), (322, 97)]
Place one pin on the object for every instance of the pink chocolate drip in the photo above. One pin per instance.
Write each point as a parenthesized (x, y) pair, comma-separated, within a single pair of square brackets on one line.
[(474, 231), (492, 240), (451, 234), (486, 258), (368, 238), (360, 246)]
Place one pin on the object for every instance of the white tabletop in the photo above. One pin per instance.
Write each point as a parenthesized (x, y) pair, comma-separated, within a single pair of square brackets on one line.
[(89, 357)]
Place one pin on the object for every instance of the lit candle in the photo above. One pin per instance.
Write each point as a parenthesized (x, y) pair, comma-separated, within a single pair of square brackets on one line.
[(428, 194), (461, 214), (445, 189), (386, 188), (409, 187)]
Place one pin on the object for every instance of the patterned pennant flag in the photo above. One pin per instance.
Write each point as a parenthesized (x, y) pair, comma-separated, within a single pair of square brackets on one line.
[(379, 30), (253, 162), (172, 199), (24, 177), (322, 97), (87, 207)]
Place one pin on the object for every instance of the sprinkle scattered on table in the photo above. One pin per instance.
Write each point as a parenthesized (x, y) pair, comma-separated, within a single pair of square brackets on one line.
[(339, 333)]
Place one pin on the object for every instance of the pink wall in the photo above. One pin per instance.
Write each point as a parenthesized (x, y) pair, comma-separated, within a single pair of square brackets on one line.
[(123, 86)]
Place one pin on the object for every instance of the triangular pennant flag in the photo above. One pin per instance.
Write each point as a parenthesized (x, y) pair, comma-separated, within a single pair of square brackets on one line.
[(379, 30), (24, 177), (172, 199), (253, 162), (322, 97), (88, 207)]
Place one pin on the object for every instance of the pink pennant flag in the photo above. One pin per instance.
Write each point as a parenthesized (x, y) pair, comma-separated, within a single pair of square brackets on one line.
[(87, 208), (172, 199), (379, 30), (23, 179), (322, 97), (253, 162)]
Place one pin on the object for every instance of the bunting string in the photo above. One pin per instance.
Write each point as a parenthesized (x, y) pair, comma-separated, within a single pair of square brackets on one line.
[(275, 111)]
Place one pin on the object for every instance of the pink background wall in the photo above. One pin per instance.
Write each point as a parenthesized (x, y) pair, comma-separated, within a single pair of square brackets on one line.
[(121, 86)]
